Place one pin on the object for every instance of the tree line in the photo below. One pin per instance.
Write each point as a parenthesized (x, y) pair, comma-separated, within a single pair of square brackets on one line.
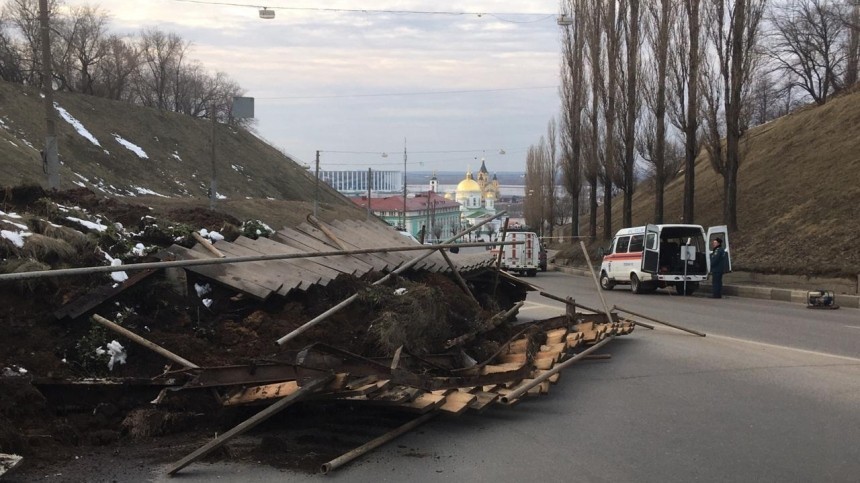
[(151, 68), (648, 84)]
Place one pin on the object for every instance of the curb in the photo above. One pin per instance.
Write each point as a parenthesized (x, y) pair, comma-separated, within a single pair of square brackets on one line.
[(750, 291)]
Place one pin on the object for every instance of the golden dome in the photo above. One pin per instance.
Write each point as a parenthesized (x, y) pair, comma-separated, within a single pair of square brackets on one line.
[(448, 196), (490, 195), (468, 185)]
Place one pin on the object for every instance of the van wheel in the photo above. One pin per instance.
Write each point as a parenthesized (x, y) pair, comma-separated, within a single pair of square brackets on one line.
[(605, 283), (635, 284), (691, 287)]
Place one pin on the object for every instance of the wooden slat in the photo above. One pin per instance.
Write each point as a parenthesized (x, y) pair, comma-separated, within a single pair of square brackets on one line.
[(98, 296), (358, 237), (272, 270), (220, 273), (272, 246), (424, 403), (262, 393), (482, 400), (248, 271), (341, 263), (376, 264), (457, 402), (499, 368)]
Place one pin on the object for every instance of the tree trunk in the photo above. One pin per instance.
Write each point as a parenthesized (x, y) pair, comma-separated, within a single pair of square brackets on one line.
[(592, 208), (733, 113), (691, 146), (607, 210)]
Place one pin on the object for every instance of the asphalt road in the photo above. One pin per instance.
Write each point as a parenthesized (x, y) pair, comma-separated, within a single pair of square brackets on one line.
[(771, 394)]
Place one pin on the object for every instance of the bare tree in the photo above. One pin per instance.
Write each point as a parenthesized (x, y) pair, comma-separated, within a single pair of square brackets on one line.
[(117, 68), (629, 83), (573, 100), (533, 202), (23, 17), (691, 126), (734, 32), (162, 56), (804, 43), (612, 23), (852, 50), (593, 158), (11, 64), (550, 170), (661, 17)]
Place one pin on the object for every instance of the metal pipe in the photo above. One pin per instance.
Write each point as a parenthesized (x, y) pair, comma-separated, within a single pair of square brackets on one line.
[(219, 261), (457, 276), (700, 334), (516, 393), (596, 283), (336, 463), (140, 340), (307, 325)]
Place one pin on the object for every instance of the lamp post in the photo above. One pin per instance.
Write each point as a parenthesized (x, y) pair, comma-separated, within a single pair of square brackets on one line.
[(404, 185)]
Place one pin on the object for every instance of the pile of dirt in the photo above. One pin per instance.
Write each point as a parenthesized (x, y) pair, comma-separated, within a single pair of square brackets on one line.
[(43, 415)]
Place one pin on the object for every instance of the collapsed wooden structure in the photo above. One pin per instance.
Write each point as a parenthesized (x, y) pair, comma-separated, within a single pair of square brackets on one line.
[(528, 363)]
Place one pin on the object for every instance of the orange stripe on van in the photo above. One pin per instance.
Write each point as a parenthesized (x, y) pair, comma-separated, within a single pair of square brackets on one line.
[(622, 256)]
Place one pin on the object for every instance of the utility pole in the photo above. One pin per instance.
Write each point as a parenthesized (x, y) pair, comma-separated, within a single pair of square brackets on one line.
[(213, 185), (369, 182), (404, 185), (317, 184), (50, 159)]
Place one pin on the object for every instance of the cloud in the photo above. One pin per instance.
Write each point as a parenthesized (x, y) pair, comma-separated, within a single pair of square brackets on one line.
[(304, 53)]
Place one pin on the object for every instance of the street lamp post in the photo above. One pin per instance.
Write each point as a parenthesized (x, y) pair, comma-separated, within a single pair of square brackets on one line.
[(404, 185), (317, 184)]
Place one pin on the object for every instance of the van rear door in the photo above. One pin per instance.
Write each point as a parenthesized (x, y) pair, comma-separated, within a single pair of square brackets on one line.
[(651, 253), (720, 231)]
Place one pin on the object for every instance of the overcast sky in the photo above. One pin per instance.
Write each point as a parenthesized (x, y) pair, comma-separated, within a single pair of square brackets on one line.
[(365, 81)]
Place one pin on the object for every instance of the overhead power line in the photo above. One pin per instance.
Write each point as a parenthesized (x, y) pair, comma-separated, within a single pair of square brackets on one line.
[(497, 16), (395, 94)]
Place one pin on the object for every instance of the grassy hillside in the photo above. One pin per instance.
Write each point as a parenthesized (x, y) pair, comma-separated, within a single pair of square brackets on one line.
[(799, 187), (177, 162)]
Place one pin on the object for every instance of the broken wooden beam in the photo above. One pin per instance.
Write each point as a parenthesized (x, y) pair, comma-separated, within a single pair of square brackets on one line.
[(250, 423), (143, 342)]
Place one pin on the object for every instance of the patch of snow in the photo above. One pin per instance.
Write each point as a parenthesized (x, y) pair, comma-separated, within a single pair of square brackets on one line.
[(147, 191), (14, 371), (117, 354), (175, 155), (207, 302), (220, 196), (77, 125), (16, 225), (202, 289), (13, 144), (139, 249), (130, 146), (400, 291), (237, 168), (17, 238), (89, 224), (11, 215), (212, 235), (79, 183), (118, 277)]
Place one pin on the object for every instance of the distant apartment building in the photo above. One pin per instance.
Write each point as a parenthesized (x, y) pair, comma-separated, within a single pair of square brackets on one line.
[(356, 182), (439, 217)]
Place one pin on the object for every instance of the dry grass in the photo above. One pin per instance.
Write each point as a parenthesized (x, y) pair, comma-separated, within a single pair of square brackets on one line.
[(799, 184)]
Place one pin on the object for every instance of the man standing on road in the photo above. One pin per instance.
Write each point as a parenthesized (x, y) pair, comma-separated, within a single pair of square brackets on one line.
[(718, 267)]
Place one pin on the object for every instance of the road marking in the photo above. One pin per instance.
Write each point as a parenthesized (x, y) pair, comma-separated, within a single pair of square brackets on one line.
[(765, 344), (852, 327)]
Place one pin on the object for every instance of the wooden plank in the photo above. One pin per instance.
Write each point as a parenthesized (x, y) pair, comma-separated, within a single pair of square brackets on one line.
[(482, 400), (544, 363), (99, 295), (424, 403), (266, 245), (289, 268), (245, 270), (341, 263), (500, 368), (261, 393), (519, 345), (457, 402), (553, 355), (219, 273), (520, 357), (359, 237), (274, 270), (559, 347), (376, 264)]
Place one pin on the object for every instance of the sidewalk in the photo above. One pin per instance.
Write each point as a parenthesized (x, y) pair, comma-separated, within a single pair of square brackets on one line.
[(749, 291)]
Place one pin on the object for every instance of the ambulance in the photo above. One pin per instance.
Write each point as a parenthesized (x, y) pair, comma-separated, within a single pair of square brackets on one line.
[(658, 256), (525, 257)]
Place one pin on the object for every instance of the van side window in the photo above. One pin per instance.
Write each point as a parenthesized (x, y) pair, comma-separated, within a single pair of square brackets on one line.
[(651, 241), (621, 246), (636, 243)]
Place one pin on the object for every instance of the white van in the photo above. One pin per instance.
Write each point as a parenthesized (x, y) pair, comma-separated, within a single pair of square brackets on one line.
[(656, 256), (523, 258)]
